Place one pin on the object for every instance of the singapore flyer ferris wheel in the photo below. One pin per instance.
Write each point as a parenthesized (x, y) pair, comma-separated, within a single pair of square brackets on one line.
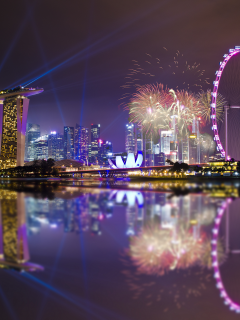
[(224, 152)]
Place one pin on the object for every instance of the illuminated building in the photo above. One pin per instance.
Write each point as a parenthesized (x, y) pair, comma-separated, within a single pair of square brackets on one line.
[(68, 142), (55, 146), (89, 153), (127, 162), (139, 138), (40, 147), (32, 133), (149, 160), (13, 120), (185, 150), (166, 138), (106, 151), (95, 136), (159, 159), (81, 143), (130, 141), (169, 144)]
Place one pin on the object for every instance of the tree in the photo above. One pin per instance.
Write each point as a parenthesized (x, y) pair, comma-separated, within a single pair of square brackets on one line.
[(50, 165), (170, 162), (43, 167)]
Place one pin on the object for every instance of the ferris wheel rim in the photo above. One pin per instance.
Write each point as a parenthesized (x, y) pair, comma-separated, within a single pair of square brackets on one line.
[(214, 93)]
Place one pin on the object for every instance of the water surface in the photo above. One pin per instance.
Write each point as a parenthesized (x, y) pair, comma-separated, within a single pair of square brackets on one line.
[(122, 250)]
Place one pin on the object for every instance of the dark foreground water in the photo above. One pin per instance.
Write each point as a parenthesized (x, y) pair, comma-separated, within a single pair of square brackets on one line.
[(80, 250)]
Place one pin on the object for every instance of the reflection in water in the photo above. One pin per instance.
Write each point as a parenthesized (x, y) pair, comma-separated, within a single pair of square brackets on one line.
[(215, 259), (14, 251), (169, 252)]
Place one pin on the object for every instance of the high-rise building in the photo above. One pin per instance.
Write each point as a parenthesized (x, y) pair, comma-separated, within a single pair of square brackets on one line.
[(106, 151), (13, 114), (169, 145), (69, 142), (55, 146), (149, 161), (95, 136), (32, 133), (129, 138), (166, 138), (185, 150), (89, 154), (81, 143), (139, 139), (40, 147)]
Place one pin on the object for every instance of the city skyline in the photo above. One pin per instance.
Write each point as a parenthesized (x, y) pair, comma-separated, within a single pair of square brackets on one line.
[(88, 59)]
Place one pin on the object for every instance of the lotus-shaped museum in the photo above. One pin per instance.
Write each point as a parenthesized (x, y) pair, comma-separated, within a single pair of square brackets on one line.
[(130, 162)]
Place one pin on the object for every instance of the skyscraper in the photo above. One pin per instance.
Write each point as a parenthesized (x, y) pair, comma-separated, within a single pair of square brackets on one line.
[(40, 146), (139, 138), (13, 114), (32, 133), (129, 141), (81, 143), (69, 142), (55, 146), (106, 151), (95, 136)]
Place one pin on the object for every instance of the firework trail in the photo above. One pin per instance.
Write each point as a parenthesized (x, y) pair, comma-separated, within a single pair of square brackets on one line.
[(172, 70)]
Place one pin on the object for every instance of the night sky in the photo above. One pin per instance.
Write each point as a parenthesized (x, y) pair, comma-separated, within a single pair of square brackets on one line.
[(90, 46)]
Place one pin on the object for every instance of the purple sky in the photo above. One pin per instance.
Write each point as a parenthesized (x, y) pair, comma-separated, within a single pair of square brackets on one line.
[(99, 39)]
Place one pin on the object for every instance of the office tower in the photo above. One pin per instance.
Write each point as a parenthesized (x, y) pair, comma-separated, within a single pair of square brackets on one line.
[(139, 139), (40, 147), (159, 159), (95, 136), (60, 147), (106, 151), (68, 142), (149, 161), (81, 143), (165, 138), (169, 145), (32, 133), (55, 146), (185, 150), (13, 114), (129, 138), (89, 154)]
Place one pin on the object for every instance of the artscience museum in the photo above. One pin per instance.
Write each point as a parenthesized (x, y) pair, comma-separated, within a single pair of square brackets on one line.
[(131, 161)]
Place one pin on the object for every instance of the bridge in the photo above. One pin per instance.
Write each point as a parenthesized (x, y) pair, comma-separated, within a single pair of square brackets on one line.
[(110, 173)]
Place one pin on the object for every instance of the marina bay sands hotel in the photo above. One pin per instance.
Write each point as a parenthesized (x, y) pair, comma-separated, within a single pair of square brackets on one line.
[(13, 121)]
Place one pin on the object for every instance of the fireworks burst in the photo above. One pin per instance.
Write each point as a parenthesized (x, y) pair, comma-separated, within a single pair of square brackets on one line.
[(204, 99), (149, 108)]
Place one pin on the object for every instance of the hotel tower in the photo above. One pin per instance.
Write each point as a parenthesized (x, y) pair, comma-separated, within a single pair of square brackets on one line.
[(13, 120)]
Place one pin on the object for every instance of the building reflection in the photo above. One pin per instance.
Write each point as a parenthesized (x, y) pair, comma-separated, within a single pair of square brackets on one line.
[(169, 230), (14, 252)]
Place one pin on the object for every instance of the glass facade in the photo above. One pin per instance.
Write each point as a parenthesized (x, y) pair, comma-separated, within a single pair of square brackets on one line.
[(95, 136), (81, 143), (40, 146), (32, 133), (130, 141), (68, 142)]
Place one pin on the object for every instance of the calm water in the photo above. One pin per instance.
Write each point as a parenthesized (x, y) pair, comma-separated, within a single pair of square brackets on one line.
[(90, 250)]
